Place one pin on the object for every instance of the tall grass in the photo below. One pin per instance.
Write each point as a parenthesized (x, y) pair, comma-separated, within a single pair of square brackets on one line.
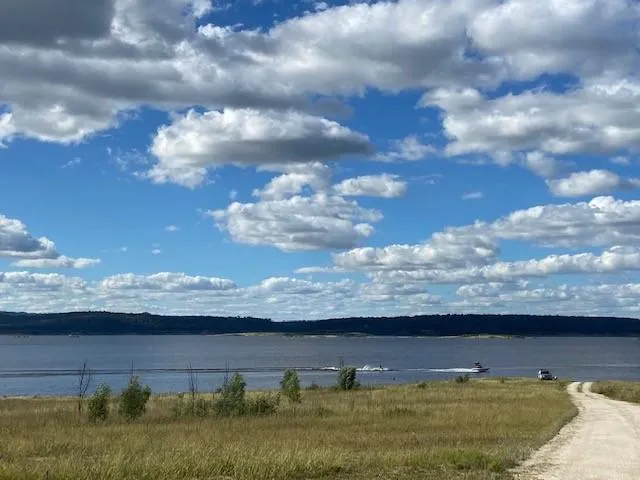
[(441, 430), (627, 391)]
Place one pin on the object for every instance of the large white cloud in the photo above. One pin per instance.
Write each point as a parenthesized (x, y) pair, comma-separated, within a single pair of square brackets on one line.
[(296, 286), (606, 299), (603, 221), (441, 251), (549, 36), (167, 281), (27, 281), (294, 299), (612, 261), (179, 293), (91, 60), (298, 223), (387, 45), (195, 142), (17, 242), (600, 117), (60, 262), (470, 254), (592, 182), (26, 251)]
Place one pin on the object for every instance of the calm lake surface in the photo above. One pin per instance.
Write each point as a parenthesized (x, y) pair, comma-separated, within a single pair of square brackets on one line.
[(45, 365)]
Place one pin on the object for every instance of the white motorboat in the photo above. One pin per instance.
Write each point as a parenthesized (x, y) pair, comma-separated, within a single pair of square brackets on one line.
[(478, 368)]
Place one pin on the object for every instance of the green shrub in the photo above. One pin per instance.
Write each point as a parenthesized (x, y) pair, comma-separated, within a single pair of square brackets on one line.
[(133, 399), (99, 403), (462, 378), (290, 386), (347, 379), (232, 396), (262, 404), (313, 386)]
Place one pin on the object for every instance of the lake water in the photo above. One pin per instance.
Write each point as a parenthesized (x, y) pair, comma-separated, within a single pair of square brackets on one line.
[(45, 365)]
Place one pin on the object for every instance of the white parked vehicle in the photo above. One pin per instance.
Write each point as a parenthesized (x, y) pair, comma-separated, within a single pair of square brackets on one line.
[(545, 375)]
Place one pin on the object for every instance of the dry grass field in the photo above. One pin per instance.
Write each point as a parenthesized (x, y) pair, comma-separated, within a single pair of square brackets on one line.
[(434, 430), (627, 391)]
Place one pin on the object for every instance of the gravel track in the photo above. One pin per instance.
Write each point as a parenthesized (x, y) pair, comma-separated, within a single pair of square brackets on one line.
[(601, 443)]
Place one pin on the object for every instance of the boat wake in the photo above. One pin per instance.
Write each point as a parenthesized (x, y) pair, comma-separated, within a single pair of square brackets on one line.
[(21, 373), (366, 368), (452, 370), (371, 368)]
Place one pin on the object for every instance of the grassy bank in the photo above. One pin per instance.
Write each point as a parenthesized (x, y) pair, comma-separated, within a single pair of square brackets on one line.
[(437, 430), (627, 391)]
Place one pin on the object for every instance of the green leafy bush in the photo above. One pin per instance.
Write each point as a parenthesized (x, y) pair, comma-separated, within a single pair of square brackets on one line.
[(133, 399), (232, 396), (347, 379), (99, 403), (290, 386)]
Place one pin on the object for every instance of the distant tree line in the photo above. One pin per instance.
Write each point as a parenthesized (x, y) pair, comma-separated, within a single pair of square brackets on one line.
[(107, 323)]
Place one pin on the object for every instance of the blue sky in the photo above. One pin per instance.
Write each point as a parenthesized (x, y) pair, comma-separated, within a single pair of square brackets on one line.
[(310, 159)]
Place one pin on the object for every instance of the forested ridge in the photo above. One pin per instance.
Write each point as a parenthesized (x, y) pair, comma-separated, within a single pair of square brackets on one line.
[(108, 323)]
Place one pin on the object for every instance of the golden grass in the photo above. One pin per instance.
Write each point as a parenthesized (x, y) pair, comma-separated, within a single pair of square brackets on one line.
[(627, 391), (438, 430)]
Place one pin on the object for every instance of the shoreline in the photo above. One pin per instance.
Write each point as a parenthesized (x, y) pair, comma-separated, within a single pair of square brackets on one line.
[(470, 336), (364, 387)]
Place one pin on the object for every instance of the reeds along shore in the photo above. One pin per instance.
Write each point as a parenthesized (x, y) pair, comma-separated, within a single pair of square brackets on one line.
[(434, 430)]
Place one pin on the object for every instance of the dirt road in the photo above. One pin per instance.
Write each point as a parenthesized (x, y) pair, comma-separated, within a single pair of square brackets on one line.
[(602, 442)]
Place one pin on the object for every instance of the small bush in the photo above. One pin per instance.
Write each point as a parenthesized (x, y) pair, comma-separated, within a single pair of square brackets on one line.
[(99, 403), (462, 378), (290, 386), (262, 404), (347, 379), (313, 386), (422, 385), (232, 396), (133, 399)]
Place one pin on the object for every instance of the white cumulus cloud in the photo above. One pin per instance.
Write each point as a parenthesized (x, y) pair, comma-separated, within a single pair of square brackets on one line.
[(297, 223), (195, 142), (167, 281), (384, 185), (592, 182)]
